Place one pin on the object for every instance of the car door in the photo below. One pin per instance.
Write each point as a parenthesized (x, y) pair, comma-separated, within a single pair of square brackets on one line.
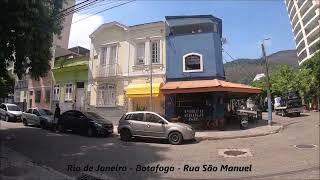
[(27, 115), (154, 126), (64, 119), (70, 119), (79, 121), (137, 123), (35, 117)]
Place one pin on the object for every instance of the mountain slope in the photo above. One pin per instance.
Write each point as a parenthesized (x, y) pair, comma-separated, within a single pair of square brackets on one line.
[(244, 70)]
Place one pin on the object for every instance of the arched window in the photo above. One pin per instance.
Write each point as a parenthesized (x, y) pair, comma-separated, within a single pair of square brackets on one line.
[(192, 62)]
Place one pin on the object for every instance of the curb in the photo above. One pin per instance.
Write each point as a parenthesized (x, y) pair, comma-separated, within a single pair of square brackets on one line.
[(240, 136)]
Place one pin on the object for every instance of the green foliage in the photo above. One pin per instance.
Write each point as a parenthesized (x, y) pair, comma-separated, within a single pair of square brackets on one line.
[(283, 79), (6, 85), (27, 28)]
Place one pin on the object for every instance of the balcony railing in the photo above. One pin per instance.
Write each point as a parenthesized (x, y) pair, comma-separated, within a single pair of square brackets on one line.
[(108, 70)]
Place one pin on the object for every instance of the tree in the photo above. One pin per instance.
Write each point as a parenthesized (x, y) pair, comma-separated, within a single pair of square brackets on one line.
[(27, 28), (283, 79), (310, 78)]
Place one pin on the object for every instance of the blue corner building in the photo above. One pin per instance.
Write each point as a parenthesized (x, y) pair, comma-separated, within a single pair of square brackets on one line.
[(194, 52)]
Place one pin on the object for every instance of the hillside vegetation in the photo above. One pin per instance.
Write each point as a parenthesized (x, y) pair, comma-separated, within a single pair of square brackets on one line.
[(244, 70)]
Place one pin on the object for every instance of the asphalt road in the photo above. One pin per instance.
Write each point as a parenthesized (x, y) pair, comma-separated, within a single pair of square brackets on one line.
[(271, 157)]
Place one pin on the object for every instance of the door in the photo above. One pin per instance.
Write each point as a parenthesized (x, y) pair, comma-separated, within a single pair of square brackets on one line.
[(111, 95), (80, 96), (154, 127), (137, 123)]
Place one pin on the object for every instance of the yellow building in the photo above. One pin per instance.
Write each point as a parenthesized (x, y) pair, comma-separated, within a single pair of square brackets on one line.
[(119, 67)]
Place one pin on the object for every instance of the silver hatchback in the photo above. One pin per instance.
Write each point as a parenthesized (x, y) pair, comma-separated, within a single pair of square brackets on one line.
[(150, 124)]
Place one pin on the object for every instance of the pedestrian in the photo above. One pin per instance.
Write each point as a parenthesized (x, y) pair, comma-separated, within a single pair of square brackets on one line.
[(56, 117)]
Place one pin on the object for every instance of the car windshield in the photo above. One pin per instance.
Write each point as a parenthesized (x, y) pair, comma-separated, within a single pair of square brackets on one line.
[(13, 108), (92, 115), (44, 112)]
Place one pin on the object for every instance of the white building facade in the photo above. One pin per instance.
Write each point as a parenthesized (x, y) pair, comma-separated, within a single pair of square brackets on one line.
[(119, 67), (304, 16)]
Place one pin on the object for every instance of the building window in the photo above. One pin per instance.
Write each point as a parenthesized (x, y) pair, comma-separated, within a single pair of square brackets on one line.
[(31, 93), (140, 53), (106, 95), (192, 62), (113, 54), (56, 92), (108, 55), (155, 49), (38, 96), (68, 92), (103, 57), (47, 96)]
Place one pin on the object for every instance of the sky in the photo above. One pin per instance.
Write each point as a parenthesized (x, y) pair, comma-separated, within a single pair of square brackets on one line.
[(245, 23)]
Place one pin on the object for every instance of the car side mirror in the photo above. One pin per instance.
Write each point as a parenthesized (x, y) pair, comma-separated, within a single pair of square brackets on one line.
[(162, 122)]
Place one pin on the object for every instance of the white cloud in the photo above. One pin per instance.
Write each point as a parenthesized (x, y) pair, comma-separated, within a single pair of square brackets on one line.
[(80, 31)]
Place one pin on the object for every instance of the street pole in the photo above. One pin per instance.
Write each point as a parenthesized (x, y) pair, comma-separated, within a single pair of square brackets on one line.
[(150, 76), (268, 83)]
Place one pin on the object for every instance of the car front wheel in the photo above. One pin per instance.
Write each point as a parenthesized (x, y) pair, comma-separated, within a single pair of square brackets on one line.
[(175, 138), (125, 135), (7, 118)]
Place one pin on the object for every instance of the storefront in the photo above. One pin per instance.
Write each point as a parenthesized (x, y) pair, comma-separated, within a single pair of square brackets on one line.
[(138, 97), (197, 102)]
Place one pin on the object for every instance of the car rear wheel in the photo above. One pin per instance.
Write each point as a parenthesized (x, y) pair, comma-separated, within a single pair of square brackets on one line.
[(25, 122), (125, 135), (175, 138), (7, 118)]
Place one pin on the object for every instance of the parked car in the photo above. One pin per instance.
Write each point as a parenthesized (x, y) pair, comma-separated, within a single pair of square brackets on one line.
[(38, 117), (150, 124), (88, 123), (10, 112)]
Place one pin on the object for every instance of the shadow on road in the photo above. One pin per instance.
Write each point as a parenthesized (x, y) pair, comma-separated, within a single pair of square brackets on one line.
[(60, 151)]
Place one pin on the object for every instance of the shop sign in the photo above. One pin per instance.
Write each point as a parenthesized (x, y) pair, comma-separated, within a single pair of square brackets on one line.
[(191, 115)]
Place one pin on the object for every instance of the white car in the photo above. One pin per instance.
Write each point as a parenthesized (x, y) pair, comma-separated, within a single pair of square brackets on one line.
[(10, 112), (38, 117)]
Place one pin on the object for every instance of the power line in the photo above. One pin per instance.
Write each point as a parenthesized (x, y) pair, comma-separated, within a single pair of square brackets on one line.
[(71, 7), (104, 10), (78, 9), (99, 5)]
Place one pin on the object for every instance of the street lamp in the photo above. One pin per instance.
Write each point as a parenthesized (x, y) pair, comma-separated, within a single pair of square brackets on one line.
[(268, 81)]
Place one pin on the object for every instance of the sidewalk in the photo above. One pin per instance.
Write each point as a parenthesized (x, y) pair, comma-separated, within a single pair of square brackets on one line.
[(234, 133), (15, 166)]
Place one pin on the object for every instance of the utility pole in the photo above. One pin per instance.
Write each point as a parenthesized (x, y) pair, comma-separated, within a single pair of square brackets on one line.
[(150, 57), (268, 83)]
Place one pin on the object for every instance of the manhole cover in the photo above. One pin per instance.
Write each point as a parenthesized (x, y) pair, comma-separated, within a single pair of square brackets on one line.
[(305, 146), (234, 152), (13, 171)]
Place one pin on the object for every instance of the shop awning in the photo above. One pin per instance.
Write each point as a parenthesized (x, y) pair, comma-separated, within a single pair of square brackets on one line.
[(143, 90), (194, 86)]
